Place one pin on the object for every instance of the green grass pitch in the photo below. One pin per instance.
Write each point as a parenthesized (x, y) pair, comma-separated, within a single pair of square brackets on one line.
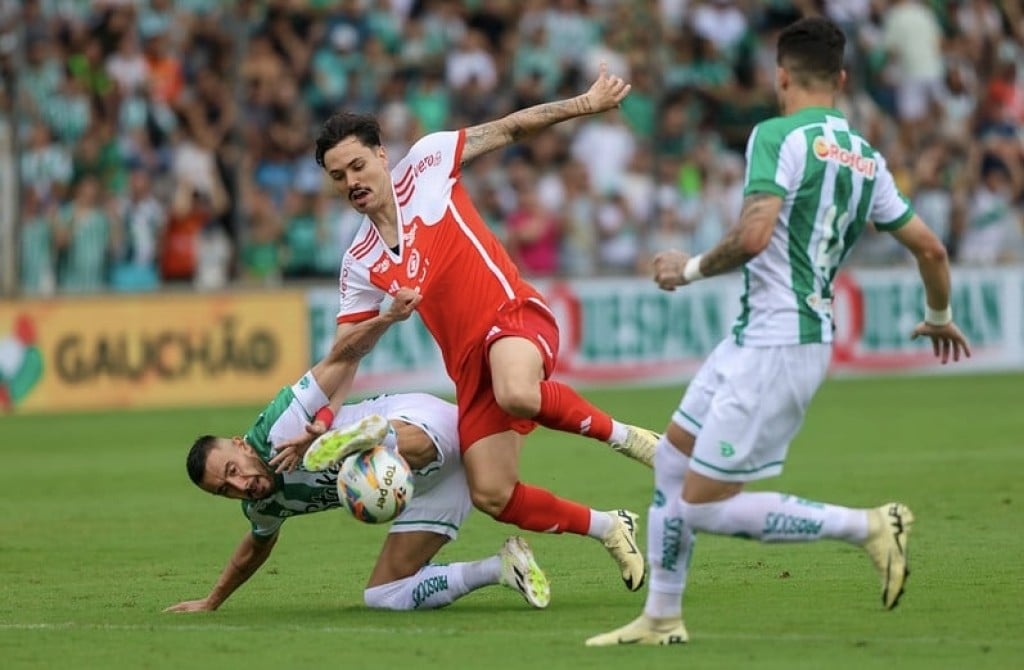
[(103, 530)]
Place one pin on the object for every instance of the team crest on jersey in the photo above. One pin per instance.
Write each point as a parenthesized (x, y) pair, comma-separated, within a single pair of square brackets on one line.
[(824, 150)]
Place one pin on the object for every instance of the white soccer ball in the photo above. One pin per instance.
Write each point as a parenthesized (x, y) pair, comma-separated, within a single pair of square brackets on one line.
[(375, 485)]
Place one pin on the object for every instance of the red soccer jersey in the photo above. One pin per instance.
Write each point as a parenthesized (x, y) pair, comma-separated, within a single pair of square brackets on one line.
[(446, 250)]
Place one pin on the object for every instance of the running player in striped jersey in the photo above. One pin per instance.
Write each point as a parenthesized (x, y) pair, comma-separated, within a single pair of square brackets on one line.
[(812, 184), (423, 243), (423, 429)]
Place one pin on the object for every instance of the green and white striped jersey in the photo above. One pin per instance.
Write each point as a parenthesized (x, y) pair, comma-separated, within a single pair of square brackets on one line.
[(303, 492), (298, 491), (832, 183)]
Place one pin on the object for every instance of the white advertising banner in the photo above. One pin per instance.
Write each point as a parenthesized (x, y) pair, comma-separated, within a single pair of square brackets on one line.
[(627, 332)]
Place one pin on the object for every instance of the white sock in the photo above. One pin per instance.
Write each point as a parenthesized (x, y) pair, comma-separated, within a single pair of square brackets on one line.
[(778, 517), (669, 540), (434, 585), (600, 524), (619, 432)]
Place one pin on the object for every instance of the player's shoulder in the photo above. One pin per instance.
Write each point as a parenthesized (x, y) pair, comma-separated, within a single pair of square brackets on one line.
[(362, 244), (777, 128), (434, 150)]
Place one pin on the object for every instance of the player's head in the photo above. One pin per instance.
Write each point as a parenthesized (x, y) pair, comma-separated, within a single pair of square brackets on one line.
[(810, 58), (229, 467), (348, 148)]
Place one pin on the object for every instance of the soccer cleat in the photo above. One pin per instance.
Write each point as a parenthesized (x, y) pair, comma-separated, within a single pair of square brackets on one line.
[(621, 544), (519, 571), (335, 445), (644, 630), (888, 535), (638, 445)]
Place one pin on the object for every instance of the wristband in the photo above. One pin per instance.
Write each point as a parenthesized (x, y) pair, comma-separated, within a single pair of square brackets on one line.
[(938, 317), (324, 414), (691, 271)]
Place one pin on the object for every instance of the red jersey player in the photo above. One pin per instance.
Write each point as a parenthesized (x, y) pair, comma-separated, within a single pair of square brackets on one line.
[(423, 243)]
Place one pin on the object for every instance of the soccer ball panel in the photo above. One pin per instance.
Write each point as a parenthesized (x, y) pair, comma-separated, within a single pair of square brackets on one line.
[(375, 485)]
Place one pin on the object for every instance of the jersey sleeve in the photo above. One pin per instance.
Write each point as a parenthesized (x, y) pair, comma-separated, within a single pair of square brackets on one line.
[(437, 158), (309, 395), (770, 169), (264, 526), (359, 299), (890, 209)]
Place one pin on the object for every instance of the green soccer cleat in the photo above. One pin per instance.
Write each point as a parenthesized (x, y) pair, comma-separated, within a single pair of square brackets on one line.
[(621, 544), (644, 631), (888, 536), (520, 572), (638, 445), (335, 445)]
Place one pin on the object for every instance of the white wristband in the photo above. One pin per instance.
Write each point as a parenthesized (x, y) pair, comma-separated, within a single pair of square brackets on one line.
[(691, 271), (938, 317)]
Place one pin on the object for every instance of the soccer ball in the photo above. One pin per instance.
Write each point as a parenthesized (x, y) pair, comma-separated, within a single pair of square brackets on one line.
[(375, 485)]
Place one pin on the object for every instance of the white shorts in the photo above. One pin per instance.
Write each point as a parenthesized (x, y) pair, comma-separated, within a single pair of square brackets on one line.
[(745, 406), (440, 501)]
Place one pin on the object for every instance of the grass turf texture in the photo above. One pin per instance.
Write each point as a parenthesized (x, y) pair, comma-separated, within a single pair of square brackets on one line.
[(103, 530)]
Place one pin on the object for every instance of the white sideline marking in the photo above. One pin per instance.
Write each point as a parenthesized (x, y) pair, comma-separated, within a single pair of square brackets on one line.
[(572, 634)]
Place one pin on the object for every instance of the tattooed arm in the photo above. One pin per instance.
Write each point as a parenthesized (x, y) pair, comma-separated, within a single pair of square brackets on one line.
[(744, 240), (605, 93)]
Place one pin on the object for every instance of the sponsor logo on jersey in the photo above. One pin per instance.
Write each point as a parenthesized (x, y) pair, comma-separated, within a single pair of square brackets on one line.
[(412, 266), (825, 150)]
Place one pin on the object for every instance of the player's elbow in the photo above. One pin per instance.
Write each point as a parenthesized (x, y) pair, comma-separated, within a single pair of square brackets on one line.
[(755, 240), (932, 253)]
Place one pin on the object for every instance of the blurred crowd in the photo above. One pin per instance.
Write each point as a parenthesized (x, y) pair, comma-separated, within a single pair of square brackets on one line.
[(165, 142)]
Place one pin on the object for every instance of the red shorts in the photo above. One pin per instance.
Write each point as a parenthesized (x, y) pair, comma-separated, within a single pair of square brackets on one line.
[(479, 412)]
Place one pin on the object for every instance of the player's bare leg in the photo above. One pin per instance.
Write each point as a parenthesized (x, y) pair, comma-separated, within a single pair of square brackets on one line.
[(492, 471), (521, 389)]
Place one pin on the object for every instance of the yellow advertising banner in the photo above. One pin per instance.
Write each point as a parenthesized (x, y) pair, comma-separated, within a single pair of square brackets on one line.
[(167, 350)]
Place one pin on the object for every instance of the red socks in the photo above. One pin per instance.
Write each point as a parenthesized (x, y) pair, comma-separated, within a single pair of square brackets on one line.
[(562, 408), (539, 510)]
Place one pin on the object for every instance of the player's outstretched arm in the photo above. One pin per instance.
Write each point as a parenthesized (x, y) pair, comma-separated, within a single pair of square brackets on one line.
[(933, 265), (247, 559), (745, 239), (606, 92), (351, 343)]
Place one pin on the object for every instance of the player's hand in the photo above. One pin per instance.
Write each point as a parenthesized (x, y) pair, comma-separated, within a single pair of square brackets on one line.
[(203, 605), (404, 303), (947, 341), (289, 454), (668, 269), (607, 91)]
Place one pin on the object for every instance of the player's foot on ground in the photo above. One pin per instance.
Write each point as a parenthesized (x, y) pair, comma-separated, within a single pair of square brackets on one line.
[(644, 630), (888, 535), (335, 445), (520, 572), (638, 445), (621, 544)]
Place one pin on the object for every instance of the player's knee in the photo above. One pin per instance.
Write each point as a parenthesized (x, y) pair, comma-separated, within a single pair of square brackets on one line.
[(519, 400), (386, 597), (706, 517), (490, 501)]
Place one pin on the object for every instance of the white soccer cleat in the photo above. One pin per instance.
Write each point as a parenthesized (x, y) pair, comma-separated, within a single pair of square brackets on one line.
[(888, 535), (621, 544), (638, 445), (520, 572), (335, 445), (644, 630)]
